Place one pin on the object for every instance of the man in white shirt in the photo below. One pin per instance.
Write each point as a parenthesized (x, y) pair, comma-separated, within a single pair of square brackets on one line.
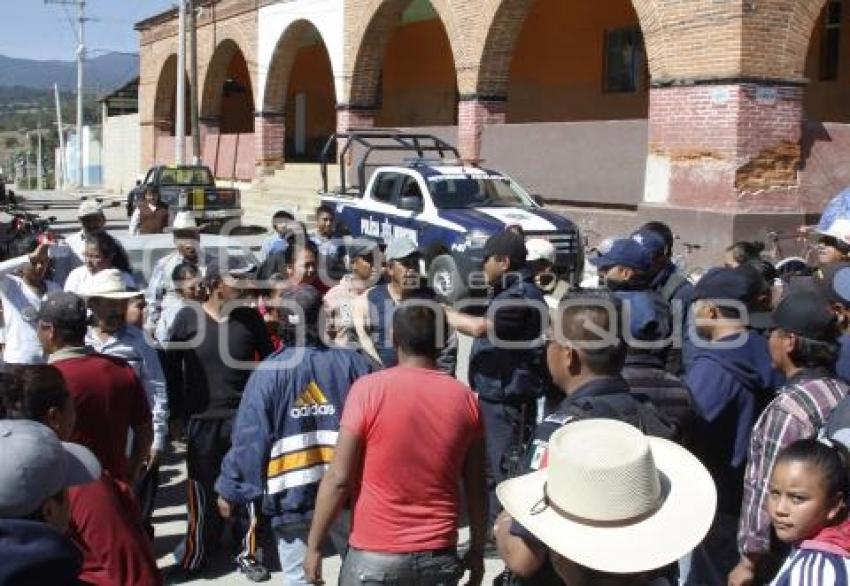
[(107, 298), (92, 221), (161, 290), (21, 296)]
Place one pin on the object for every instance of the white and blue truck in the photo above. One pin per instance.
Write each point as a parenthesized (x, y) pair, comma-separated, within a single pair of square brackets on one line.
[(447, 207)]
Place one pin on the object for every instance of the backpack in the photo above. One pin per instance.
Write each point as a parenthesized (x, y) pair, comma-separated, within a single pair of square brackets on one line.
[(630, 409), (837, 426), (672, 285)]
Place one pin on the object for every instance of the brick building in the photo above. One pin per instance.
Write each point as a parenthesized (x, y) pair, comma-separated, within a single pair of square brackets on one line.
[(726, 117)]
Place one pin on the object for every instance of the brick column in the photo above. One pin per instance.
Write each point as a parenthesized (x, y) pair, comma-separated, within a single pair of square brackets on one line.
[(725, 146), (209, 126), (348, 117), (270, 134), (210, 129), (474, 113)]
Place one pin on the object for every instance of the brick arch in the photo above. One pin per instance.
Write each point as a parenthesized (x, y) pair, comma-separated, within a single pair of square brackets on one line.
[(282, 63), (216, 74), (165, 103), (506, 19), (789, 38), (371, 35), (166, 85)]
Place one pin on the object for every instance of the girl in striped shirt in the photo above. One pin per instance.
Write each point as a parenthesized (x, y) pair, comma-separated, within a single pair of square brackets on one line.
[(808, 488)]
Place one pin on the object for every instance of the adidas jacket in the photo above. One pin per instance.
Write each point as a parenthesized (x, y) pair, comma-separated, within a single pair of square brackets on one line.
[(286, 430)]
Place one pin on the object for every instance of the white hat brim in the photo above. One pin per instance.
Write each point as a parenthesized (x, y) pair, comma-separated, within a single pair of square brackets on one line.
[(679, 525), (827, 232), (112, 295)]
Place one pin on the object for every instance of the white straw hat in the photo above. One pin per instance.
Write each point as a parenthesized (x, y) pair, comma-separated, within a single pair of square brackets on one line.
[(108, 284), (613, 499), (839, 229), (184, 220)]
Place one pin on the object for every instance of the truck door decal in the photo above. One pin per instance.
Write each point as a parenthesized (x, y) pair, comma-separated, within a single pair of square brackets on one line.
[(386, 230)]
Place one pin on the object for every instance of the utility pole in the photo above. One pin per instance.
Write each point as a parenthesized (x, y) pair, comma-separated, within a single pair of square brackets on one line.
[(38, 166), (180, 126), (59, 167), (193, 81), (81, 58)]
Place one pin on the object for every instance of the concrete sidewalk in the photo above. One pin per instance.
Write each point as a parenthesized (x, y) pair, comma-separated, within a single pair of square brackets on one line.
[(170, 526)]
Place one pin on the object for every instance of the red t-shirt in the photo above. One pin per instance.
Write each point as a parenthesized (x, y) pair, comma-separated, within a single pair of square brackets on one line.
[(106, 525), (109, 401), (416, 426)]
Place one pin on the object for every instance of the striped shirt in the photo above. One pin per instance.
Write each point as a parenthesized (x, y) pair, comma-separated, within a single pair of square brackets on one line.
[(799, 411), (807, 567)]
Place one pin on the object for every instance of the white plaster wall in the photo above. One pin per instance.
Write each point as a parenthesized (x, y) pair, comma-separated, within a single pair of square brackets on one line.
[(328, 16), (121, 152)]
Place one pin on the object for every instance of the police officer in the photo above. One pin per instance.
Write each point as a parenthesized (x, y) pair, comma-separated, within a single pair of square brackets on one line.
[(506, 361)]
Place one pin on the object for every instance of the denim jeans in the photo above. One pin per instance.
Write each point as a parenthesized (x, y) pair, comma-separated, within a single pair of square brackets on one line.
[(292, 547), (427, 568)]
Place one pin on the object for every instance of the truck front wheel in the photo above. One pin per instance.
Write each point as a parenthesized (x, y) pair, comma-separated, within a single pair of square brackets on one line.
[(446, 280)]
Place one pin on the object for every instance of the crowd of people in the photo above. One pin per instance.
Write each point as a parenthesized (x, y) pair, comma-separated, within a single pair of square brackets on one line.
[(648, 430)]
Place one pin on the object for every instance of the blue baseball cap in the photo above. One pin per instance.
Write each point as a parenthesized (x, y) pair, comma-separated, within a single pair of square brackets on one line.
[(728, 283), (650, 240), (624, 252)]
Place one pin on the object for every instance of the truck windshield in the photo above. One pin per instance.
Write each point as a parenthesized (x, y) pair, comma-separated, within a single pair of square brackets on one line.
[(186, 176), (469, 191)]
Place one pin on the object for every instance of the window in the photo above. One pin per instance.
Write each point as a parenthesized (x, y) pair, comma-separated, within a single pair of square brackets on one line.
[(831, 41), (385, 187), (624, 60)]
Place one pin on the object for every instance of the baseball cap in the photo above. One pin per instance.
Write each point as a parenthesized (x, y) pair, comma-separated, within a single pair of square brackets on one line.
[(807, 314), (400, 247), (89, 207), (508, 244), (725, 283), (363, 248), (62, 307), (650, 240), (231, 267), (625, 252), (35, 465), (540, 249), (834, 283)]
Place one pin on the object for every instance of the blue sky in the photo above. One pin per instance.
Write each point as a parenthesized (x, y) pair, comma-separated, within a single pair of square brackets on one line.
[(34, 30)]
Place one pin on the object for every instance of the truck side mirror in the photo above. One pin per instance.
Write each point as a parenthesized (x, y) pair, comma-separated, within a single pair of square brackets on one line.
[(410, 203)]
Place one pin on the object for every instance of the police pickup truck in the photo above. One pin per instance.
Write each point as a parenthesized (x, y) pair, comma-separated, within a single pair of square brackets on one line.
[(189, 187), (448, 208)]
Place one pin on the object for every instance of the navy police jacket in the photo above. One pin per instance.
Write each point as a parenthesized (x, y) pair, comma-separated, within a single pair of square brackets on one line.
[(509, 367), (286, 430)]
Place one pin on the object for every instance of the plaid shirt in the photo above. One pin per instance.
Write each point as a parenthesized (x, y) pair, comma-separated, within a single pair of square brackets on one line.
[(799, 411)]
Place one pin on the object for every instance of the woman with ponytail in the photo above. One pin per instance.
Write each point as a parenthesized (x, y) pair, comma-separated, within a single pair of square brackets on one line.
[(808, 507)]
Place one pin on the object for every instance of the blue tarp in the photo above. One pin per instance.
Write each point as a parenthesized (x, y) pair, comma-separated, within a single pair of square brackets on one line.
[(838, 207)]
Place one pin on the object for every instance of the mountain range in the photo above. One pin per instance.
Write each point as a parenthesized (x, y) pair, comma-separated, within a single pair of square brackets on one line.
[(102, 73)]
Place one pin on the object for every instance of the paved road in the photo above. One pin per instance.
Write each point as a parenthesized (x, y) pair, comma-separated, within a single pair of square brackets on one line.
[(170, 514)]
